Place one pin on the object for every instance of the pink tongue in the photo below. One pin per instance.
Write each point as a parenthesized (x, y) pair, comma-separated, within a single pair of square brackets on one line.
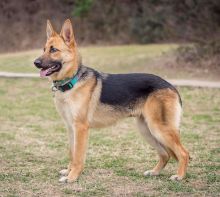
[(43, 73)]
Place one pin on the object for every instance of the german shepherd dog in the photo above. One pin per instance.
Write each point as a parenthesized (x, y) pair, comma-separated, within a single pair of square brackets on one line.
[(86, 98)]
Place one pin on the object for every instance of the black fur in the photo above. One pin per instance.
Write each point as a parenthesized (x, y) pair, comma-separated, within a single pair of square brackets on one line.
[(124, 89)]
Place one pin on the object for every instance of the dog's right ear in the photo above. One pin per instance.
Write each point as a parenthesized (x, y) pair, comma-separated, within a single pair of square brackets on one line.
[(50, 32), (67, 32)]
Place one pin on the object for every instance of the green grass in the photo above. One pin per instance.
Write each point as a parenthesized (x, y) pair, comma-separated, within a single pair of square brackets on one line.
[(33, 148), (33, 140)]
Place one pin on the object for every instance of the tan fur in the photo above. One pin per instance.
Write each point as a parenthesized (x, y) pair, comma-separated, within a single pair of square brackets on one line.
[(73, 106), (161, 113), (158, 116)]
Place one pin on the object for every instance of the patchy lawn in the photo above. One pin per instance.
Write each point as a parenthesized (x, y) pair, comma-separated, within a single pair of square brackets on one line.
[(33, 148), (154, 58), (33, 140)]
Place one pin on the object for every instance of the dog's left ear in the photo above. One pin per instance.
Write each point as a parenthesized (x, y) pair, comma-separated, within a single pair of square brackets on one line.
[(67, 32)]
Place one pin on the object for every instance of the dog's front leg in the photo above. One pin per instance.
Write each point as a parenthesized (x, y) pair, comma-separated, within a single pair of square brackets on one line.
[(70, 128), (77, 152)]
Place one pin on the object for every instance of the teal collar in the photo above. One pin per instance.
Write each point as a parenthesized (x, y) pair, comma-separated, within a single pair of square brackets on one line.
[(64, 85)]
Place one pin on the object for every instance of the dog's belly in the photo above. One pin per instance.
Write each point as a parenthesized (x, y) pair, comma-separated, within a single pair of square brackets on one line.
[(105, 115), (99, 123)]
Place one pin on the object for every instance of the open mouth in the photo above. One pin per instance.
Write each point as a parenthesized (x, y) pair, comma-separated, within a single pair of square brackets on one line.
[(50, 70)]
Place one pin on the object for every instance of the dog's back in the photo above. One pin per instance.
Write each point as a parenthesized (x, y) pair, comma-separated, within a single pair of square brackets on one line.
[(129, 89)]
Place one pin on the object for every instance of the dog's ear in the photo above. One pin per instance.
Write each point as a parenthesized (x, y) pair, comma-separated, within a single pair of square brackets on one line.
[(67, 32), (50, 32)]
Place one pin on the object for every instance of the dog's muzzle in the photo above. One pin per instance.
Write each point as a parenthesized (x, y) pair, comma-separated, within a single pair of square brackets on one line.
[(47, 67)]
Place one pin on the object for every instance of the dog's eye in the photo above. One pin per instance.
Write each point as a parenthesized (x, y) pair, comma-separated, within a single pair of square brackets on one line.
[(44, 49), (53, 50)]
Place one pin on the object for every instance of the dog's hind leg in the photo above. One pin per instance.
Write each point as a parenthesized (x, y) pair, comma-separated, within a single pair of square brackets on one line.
[(162, 112), (162, 152)]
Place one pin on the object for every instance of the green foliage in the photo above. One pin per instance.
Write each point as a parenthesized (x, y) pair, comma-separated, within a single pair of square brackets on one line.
[(82, 7), (147, 29)]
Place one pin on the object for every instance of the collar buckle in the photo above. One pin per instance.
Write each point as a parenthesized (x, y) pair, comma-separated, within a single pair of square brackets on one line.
[(54, 88)]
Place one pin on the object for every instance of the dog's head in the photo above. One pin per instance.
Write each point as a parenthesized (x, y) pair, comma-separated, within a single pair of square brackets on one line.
[(60, 57)]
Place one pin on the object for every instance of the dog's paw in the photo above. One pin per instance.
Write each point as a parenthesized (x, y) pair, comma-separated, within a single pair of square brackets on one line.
[(63, 179), (66, 179), (176, 178), (150, 173), (64, 172)]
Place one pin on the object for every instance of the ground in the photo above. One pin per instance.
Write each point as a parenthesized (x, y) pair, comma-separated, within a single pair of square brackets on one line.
[(33, 145)]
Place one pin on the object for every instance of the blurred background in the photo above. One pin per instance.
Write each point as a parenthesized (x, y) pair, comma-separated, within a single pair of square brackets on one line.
[(175, 39), (112, 22)]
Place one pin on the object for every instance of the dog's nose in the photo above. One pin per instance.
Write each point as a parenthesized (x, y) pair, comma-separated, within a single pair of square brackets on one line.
[(38, 63)]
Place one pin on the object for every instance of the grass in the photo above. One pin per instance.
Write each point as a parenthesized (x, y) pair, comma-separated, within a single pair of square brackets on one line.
[(154, 58), (33, 144)]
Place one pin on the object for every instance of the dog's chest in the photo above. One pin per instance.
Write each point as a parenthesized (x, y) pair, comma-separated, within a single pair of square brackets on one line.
[(66, 105)]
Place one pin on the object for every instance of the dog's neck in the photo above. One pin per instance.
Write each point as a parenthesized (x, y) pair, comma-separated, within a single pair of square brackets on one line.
[(67, 83)]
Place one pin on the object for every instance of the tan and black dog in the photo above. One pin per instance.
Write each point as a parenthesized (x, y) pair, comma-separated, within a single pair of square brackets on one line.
[(86, 98)]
